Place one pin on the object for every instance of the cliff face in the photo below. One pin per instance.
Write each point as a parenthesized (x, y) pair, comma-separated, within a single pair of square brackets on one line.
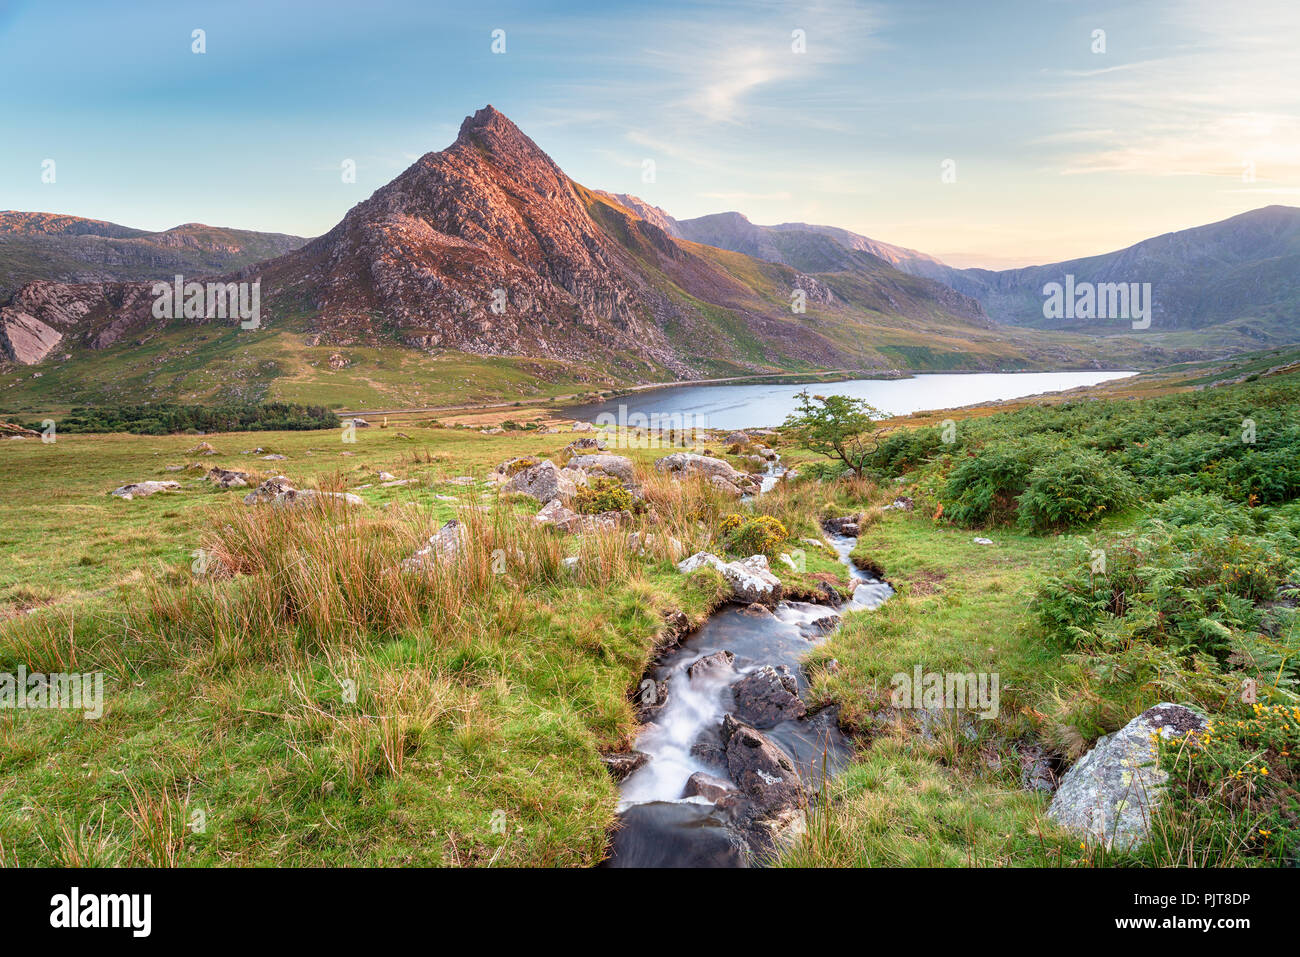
[(483, 247)]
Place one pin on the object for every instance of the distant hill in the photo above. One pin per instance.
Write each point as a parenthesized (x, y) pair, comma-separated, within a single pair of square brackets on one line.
[(1233, 284), (1244, 270), (51, 246)]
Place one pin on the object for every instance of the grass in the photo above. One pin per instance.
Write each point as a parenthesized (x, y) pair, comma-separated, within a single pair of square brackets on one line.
[(309, 703)]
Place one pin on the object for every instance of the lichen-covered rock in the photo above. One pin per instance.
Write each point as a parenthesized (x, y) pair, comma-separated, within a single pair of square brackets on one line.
[(584, 446), (614, 466), (227, 478), (751, 580), (726, 488), (1110, 794), (545, 481), (689, 463), (277, 491), (144, 489), (557, 514), (444, 544)]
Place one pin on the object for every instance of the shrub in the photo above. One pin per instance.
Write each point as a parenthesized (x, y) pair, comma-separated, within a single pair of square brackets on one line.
[(602, 495), (1204, 509), (1194, 590), (983, 489), (762, 535), (165, 418), (1072, 489), (907, 448), (1234, 781), (518, 465), (731, 524)]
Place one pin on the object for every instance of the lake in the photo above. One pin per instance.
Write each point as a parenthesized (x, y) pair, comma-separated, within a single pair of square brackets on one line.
[(757, 406)]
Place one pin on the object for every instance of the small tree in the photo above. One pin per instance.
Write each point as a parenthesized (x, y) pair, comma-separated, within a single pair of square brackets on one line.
[(837, 426)]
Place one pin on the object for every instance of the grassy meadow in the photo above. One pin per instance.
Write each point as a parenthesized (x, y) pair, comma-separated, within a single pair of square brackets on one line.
[(305, 701)]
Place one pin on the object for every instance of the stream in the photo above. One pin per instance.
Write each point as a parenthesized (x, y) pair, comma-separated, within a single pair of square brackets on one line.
[(658, 826)]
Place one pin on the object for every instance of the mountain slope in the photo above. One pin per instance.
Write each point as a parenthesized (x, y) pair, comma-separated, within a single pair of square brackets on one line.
[(49, 246), (1246, 268), (1226, 285)]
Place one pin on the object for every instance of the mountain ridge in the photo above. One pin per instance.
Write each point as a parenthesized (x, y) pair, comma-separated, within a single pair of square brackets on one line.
[(488, 249)]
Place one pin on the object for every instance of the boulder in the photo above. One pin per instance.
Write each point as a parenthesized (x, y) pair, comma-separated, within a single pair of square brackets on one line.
[(705, 785), (638, 543), (762, 771), (144, 489), (736, 438), (227, 478), (825, 624), (444, 544), (545, 481), (725, 487), (680, 464), (557, 514), (768, 696), (751, 580), (1036, 770), (836, 526), (277, 491), (1110, 794), (614, 466), (710, 664), (203, 448), (583, 446)]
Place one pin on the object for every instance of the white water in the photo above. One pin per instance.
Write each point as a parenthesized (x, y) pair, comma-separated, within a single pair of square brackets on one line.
[(695, 705)]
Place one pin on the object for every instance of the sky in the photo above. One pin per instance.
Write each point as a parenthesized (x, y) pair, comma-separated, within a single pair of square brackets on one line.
[(995, 134)]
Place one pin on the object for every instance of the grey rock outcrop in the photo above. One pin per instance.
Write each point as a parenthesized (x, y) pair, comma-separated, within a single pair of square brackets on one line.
[(1111, 793)]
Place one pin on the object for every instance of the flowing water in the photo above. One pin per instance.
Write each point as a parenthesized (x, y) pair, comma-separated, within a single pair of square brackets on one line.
[(658, 826), (745, 406)]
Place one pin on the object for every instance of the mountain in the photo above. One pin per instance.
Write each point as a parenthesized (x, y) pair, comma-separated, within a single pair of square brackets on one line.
[(1242, 272), (1225, 285), (49, 246), (488, 251)]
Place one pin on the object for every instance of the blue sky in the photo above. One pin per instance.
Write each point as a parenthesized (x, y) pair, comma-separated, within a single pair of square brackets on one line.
[(1058, 150)]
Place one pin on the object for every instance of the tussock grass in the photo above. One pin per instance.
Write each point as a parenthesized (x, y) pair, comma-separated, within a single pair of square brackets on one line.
[(321, 703)]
